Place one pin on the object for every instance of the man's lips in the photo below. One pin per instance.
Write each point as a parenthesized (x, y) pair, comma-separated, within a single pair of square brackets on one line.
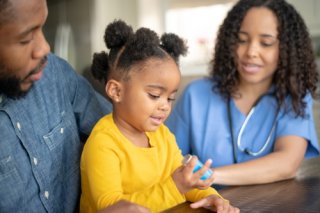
[(36, 73)]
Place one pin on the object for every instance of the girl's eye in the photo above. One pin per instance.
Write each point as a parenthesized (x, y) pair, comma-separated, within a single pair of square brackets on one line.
[(153, 96), (171, 99)]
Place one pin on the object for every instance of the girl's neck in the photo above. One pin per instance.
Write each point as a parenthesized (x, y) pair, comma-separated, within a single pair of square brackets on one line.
[(138, 138)]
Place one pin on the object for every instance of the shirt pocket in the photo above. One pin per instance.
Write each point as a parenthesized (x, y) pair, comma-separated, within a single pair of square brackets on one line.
[(55, 136), (64, 145), (10, 183)]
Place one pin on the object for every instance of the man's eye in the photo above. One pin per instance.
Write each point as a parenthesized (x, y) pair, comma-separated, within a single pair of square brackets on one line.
[(25, 42)]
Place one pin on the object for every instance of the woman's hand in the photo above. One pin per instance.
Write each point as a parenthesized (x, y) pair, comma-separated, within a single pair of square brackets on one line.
[(215, 203), (186, 180)]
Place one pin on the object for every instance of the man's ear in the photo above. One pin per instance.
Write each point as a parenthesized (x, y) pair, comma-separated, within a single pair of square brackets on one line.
[(113, 90)]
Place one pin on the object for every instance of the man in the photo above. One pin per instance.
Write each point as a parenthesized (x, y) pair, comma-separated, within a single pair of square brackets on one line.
[(45, 109)]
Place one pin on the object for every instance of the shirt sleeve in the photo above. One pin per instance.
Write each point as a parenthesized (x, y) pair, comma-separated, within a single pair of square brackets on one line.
[(195, 194), (178, 123), (88, 105), (290, 124)]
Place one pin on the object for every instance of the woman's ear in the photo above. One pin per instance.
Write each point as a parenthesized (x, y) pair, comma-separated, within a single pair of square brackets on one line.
[(113, 90)]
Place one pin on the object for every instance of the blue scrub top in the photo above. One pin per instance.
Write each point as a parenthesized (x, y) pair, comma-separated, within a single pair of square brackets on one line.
[(200, 124)]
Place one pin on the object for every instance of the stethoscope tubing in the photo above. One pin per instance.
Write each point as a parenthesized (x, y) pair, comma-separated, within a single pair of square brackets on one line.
[(237, 146)]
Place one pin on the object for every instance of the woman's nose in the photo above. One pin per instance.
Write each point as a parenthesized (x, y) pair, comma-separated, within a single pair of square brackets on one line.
[(253, 50)]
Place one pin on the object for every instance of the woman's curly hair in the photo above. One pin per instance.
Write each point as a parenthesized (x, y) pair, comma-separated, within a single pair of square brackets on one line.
[(128, 49), (296, 73)]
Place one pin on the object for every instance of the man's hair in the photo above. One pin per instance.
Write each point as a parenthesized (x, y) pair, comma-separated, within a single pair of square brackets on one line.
[(5, 11)]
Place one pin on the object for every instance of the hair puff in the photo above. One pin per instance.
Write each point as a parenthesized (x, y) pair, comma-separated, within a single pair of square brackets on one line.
[(117, 34), (173, 45), (100, 66)]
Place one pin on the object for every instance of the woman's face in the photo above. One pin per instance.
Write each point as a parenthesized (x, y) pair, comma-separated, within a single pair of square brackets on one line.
[(258, 48)]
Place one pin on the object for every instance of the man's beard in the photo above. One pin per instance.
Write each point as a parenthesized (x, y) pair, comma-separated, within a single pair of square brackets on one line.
[(10, 86)]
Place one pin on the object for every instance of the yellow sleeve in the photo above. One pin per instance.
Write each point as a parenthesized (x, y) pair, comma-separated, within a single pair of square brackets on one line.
[(197, 194)]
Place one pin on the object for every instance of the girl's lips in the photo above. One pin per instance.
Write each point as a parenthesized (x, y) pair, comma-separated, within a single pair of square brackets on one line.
[(157, 120)]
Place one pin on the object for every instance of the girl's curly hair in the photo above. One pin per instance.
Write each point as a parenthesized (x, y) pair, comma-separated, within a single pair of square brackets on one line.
[(128, 48), (296, 73)]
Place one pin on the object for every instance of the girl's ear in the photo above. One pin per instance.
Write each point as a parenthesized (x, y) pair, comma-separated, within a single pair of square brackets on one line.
[(113, 90)]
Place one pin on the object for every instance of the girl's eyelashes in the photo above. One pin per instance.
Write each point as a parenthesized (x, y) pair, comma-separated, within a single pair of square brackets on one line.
[(154, 97), (171, 99)]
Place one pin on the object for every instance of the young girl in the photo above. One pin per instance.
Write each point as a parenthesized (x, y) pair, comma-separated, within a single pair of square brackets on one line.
[(253, 116), (130, 154)]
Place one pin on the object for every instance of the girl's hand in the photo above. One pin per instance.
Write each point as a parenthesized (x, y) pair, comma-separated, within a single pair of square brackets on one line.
[(215, 203), (186, 180)]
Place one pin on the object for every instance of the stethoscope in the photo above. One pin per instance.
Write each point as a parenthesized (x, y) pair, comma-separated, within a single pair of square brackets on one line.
[(238, 146)]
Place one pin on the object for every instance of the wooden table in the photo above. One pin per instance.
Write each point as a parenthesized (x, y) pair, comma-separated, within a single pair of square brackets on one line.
[(301, 194)]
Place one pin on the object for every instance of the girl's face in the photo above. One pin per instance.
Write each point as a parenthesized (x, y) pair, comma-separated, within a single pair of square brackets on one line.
[(146, 98), (258, 48)]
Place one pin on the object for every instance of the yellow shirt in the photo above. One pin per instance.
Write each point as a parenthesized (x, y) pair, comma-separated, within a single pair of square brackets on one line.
[(113, 168)]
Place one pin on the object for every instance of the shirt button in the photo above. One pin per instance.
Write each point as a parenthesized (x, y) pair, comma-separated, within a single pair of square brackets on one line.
[(61, 130), (46, 194), (35, 161), (18, 126)]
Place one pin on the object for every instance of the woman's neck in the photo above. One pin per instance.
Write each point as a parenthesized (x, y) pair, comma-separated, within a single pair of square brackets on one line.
[(249, 94)]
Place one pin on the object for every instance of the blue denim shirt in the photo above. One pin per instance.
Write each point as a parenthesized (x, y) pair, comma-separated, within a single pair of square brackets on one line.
[(40, 145)]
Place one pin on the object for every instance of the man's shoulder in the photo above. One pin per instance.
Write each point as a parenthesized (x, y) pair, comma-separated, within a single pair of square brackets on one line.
[(58, 68), (55, 62)]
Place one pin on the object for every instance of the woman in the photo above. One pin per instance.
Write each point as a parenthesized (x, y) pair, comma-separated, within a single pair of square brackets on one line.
[(253, 116)]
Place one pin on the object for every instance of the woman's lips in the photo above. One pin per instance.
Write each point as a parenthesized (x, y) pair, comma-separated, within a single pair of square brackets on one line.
[(251, 68)]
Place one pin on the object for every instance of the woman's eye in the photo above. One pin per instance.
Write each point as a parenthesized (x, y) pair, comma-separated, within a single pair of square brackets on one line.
[(266, 44), (241, 41), (153, 96)]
